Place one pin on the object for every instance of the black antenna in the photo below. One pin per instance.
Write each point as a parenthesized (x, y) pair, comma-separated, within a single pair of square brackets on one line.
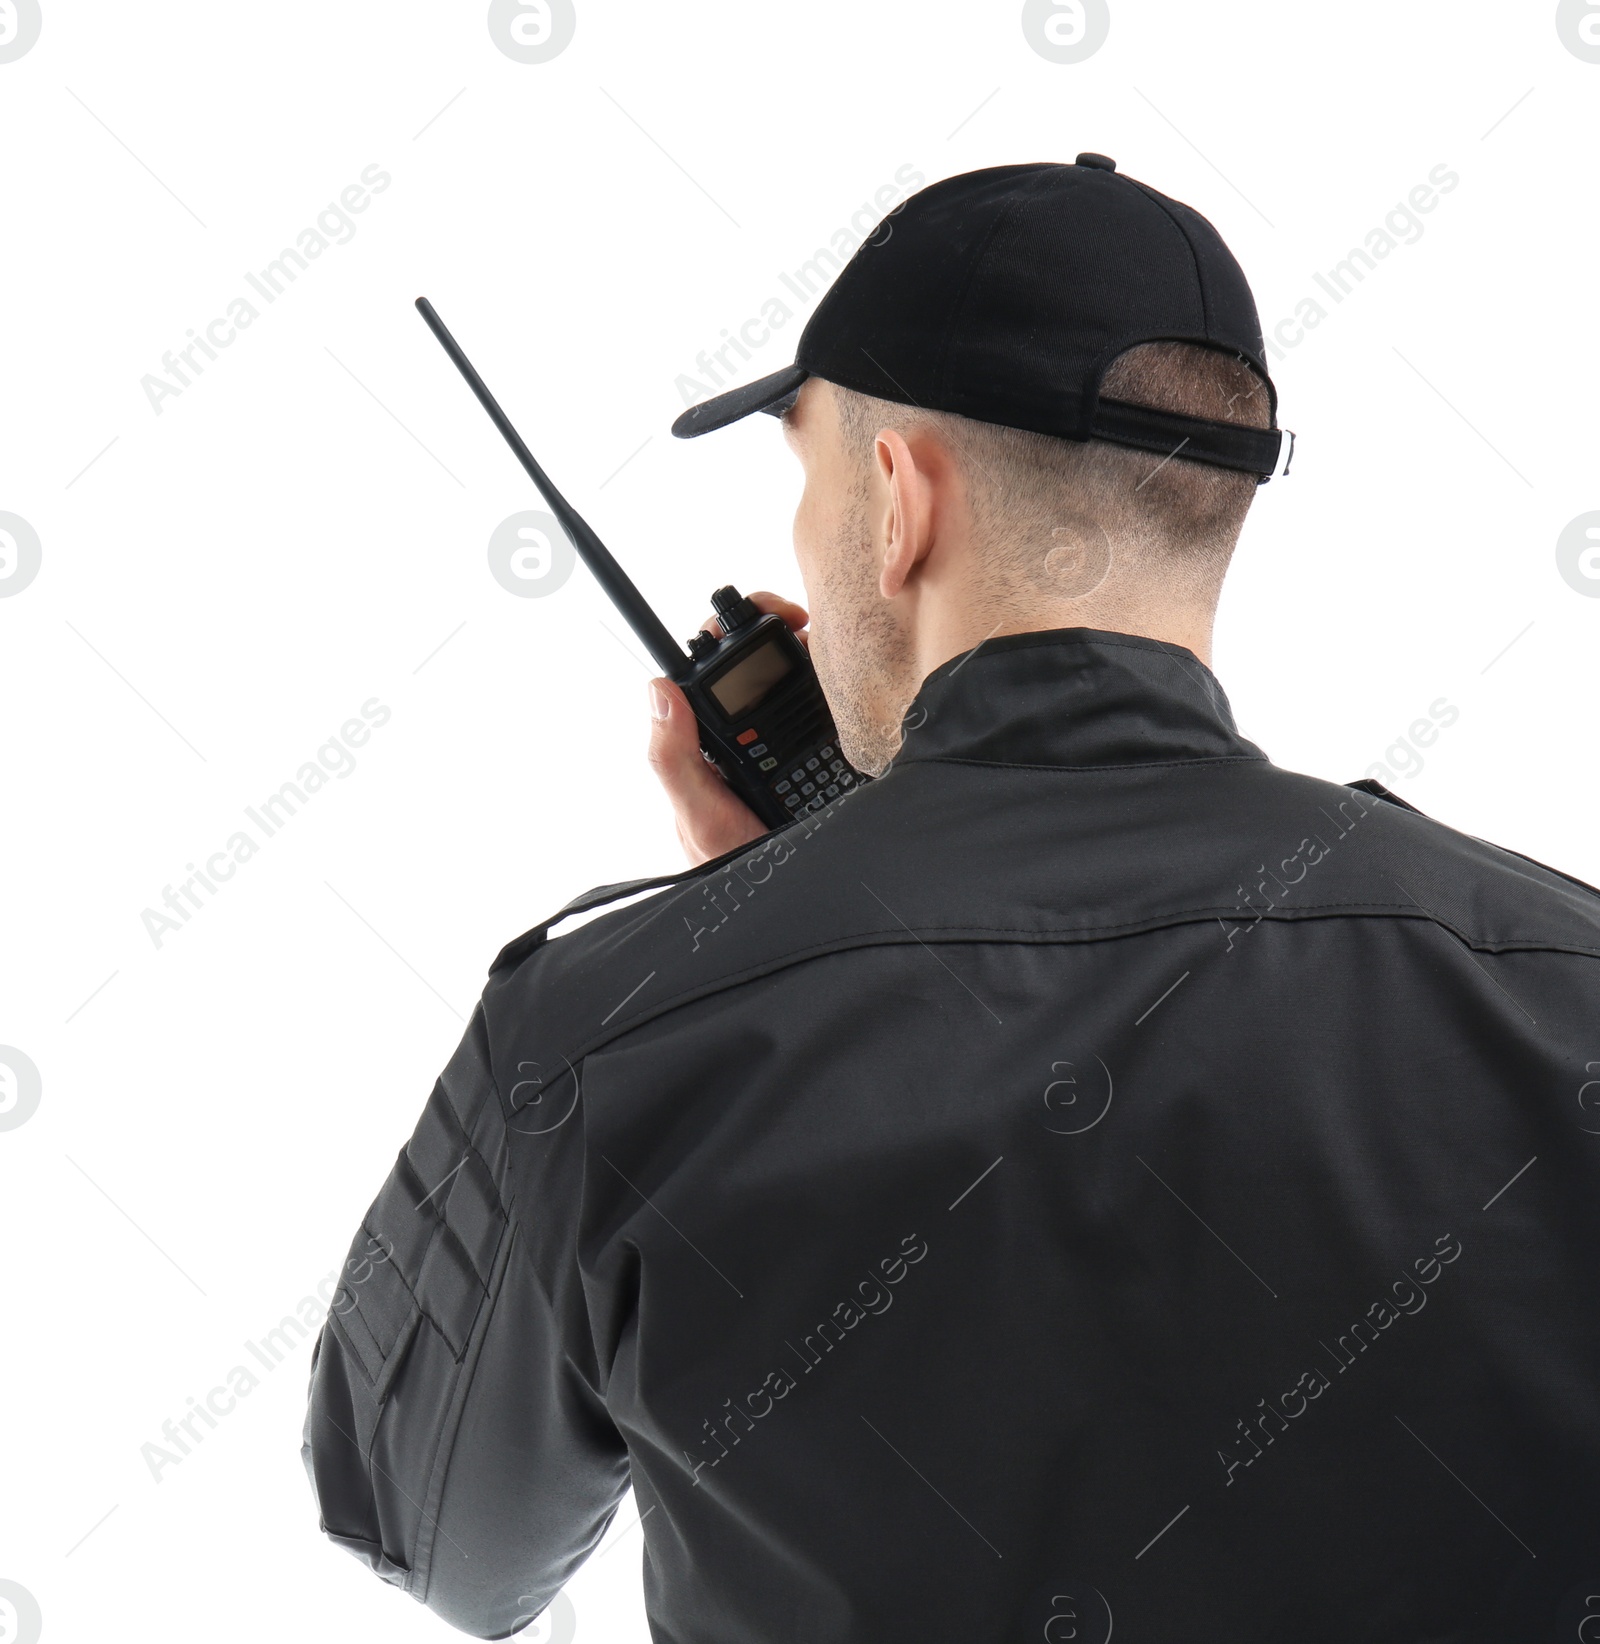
[(591, 550)]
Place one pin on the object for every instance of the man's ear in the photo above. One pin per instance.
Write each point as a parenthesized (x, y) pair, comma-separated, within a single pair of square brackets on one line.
[(906, 489)]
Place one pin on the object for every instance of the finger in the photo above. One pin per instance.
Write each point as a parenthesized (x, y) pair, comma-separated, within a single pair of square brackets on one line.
[(796, 617), (711, 818)]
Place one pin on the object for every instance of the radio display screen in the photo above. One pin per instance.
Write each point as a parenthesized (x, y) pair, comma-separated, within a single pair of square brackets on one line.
[(748, 681)]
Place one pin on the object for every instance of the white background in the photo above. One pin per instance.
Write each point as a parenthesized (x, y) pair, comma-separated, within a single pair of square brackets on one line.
[(231, 579)]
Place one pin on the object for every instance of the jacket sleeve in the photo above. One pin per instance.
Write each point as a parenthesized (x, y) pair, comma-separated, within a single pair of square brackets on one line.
[(452, 1441)]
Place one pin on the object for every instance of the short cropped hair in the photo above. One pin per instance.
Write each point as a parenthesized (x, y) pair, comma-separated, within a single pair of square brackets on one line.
[(1031, 491)]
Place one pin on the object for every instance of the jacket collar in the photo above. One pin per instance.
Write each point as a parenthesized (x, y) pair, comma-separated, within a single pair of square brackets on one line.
[(1072, 698)]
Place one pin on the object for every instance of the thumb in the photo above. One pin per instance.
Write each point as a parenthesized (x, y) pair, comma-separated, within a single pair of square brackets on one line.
[(711, 818)]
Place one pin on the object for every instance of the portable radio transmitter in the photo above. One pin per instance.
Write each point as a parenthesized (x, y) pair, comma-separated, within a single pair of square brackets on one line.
[(763, 719)]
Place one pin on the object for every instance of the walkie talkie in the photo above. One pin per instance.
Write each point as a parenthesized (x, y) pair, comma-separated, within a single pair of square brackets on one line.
[(763, 719)]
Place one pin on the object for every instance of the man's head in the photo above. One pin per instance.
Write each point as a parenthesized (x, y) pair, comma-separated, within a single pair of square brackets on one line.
[(921, 533), (1035, 397)]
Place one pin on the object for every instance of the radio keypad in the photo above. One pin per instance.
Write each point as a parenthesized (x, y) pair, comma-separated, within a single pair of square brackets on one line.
[(816, 779)]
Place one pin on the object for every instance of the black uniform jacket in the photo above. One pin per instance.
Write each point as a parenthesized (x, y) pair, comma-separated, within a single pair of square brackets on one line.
[(1088, 1179)]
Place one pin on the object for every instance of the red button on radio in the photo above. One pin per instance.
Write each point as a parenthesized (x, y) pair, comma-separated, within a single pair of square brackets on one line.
[(745, 738)]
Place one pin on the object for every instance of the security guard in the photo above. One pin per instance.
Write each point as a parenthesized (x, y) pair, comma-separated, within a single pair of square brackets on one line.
[(1087, 1177)]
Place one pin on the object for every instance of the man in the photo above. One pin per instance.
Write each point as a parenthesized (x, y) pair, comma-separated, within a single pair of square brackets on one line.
[(1086, 1177)]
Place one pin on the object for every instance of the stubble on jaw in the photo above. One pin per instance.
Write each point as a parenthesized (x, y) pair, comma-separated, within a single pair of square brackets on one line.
[(863, 658)]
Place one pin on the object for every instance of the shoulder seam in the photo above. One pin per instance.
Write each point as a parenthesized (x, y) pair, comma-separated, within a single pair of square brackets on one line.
[(1001, 936), (1090, 770)]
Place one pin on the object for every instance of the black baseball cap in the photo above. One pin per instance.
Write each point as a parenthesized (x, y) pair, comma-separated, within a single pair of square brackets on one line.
[(1004, 294)]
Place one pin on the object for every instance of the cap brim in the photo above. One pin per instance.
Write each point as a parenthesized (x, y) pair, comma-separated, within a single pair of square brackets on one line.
[(773, 394)]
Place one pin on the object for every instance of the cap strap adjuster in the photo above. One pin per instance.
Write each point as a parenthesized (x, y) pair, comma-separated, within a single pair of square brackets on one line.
[(1255, 451)]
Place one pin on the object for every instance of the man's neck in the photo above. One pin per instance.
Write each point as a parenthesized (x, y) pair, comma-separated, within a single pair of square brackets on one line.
[(964, 630)]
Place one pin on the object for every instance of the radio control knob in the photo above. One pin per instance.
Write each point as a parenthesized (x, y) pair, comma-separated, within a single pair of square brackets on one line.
[(733, 610)]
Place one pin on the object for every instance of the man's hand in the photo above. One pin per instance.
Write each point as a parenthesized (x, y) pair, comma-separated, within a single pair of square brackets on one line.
[(711, 817)]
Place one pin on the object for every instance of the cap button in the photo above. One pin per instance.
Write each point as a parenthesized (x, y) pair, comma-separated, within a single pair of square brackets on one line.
[(1099, 162)]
